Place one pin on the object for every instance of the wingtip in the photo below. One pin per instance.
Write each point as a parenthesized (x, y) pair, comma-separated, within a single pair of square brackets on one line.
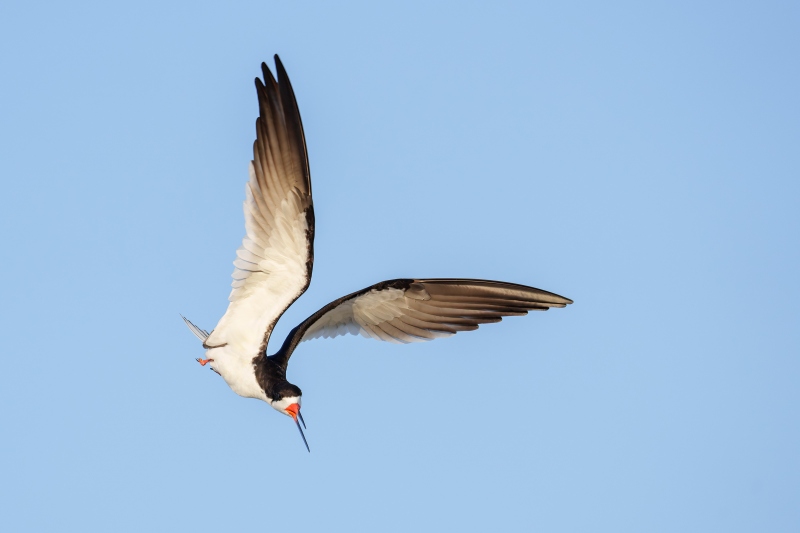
[(565, 301), (281, 71), (267, 73)]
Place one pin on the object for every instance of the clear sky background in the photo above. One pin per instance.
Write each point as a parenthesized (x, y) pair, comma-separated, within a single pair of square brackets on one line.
[(640, 158)]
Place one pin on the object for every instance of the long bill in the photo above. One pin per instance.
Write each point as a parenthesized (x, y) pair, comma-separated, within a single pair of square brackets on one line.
[(302, 435), (294, 411)]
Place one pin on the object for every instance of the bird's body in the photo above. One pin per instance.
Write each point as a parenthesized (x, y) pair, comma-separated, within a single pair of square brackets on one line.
[(274, 265), (237, 371)]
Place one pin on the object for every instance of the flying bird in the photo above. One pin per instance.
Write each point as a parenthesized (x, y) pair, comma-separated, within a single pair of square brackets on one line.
[(273, 268)]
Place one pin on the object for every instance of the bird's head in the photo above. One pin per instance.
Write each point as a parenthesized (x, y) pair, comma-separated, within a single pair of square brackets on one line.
[(290, 406)]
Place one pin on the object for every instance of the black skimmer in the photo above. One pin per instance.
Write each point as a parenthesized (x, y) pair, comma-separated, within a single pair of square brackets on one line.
[(273, 268)]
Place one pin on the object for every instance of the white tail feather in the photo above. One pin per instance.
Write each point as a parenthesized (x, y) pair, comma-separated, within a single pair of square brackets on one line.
[(199, 333)]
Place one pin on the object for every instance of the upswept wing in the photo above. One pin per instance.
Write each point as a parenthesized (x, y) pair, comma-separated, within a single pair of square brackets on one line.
[(273, 265), (412, 310)]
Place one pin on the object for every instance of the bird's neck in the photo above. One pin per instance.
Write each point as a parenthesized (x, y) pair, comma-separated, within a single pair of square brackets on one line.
[(271, 376)]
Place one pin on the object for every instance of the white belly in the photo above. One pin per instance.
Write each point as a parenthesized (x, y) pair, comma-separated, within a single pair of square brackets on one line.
[(237, 371)]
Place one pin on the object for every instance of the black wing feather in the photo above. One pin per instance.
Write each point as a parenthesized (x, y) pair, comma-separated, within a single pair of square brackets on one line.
[(426, 309)]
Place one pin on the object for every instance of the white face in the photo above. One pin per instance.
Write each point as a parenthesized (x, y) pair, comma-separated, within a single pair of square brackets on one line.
[(282, 404)]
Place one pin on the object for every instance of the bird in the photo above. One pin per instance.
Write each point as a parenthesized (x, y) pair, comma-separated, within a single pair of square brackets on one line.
[(273, 268)]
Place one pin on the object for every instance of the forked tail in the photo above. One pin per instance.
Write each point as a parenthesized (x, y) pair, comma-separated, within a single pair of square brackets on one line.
[(199, 333)]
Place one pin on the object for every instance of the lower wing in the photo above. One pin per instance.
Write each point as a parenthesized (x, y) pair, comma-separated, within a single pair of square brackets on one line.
[(414, 310)]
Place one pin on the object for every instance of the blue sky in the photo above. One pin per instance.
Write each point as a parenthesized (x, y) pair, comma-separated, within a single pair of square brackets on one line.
[(641, 159)]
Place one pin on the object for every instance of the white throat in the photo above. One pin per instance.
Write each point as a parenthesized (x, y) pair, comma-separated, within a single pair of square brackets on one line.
[(283, 403)]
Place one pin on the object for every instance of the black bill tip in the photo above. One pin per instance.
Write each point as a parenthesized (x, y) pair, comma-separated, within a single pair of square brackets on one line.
[(302, 434)]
